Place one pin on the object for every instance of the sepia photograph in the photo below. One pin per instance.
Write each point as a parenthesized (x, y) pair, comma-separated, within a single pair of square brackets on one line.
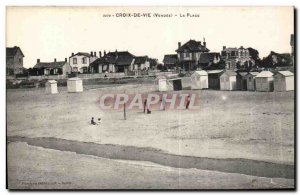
[(150, 98)]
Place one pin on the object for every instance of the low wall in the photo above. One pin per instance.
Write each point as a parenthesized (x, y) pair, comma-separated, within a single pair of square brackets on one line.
[(101, 75), (160, 73)]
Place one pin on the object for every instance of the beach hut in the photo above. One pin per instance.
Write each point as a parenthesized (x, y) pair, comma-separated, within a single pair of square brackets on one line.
[(186, 83), (264, 81), (251, 81), (75, 85), (51, 87), (199, 80), (214, 78), (168, 83), (241, 81), (228, 81), (161, 83), (284, 81)]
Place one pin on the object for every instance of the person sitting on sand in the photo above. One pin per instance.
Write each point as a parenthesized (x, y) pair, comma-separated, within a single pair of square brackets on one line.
[(99, 120), (92, 121)]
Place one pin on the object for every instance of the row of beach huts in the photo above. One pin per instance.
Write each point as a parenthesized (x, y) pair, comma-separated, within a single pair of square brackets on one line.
[(228, 80)]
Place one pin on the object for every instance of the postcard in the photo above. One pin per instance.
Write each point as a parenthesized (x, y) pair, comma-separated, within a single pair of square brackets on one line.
[(150, 98)]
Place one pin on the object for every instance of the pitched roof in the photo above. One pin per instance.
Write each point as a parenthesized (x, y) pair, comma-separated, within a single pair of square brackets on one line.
[(201, 72), (118, 58), (82, 54), (51, 81), (50, 64), (170, 59), (11, 51), (265, 74), (230, 73), (208, 57), (253, 73), (243, 73), (192, 46), (140, 59), (286, 73), (214, 71)]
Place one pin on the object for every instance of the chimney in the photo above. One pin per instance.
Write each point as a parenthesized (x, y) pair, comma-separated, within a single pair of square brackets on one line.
[(224, 47), (204, 43), (100, 54), (54, 59), (91, 53), (66, 59), (95, 55), (116, 53), (38, 61), (104, 52), (72, 54), (179, 44)]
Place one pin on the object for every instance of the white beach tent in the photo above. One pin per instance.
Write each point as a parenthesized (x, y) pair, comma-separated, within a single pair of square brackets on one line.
[(264, 81), (75, 85), (51, 87), (199, 80), (284, 81), (228, 81)]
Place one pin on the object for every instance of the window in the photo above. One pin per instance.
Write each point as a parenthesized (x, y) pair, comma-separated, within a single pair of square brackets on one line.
[(20, 60), (84, 61), (74, 60), (181, 55), (75, 69)]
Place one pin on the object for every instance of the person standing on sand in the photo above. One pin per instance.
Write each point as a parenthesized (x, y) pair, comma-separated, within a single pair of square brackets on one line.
[(163, 103), (188, 102), (145, 105)]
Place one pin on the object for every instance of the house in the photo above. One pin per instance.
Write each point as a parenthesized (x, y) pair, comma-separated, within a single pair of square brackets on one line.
[(113, 62), (199, 80), (214, 78), (284, 81), (209, 60), (170, 61), (264, 81), (14, 60), (228, 81), (140, 63), (52, 68), (241, 81), (251, 81), (81, 61), (236, 58), (188, 54)]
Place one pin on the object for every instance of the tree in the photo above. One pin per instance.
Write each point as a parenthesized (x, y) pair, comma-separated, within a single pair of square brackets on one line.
[(254, 55), (153, 62)]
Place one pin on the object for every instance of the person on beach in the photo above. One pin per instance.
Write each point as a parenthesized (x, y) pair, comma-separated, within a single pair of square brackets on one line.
[(145, 105), (92, 121), (99, 121), (188, 102)]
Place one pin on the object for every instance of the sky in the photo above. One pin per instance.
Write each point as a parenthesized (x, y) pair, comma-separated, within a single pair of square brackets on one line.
[(56, 32)]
